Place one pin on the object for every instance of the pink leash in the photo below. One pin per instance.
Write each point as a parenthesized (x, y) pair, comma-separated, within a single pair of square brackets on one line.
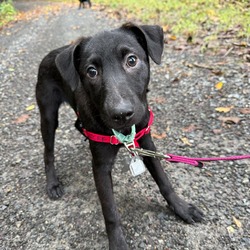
[(197, 162)]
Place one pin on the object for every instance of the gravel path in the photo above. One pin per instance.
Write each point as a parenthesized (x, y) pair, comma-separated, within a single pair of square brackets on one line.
[(183, 98)]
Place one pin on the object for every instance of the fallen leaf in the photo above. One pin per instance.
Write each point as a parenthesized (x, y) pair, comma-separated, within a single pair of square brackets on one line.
[(21, 119), (186, 141), (219, 85), (179, 47), (189, 128), (229, 120), (242, 44), (203, 66), (158, 99), (217, 131), (245, 111), (230, 229), (165, 28), (173, 37), (237, 222), (189, 65), (31, 107), (217, 72), (159, 136), (224, 109), (221, 63), (209, 174)]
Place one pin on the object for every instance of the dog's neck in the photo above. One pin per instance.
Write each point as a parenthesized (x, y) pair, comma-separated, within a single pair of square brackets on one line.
[(91, 121)]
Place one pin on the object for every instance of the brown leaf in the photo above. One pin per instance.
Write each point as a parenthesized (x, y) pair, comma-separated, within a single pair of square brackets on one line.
[(217, 72), (203, 66), (189, 128), (159, 136), (21, 119), (245, 111), (159, 99), (209, 174), (229, 120), (217, 131), (180, 46)]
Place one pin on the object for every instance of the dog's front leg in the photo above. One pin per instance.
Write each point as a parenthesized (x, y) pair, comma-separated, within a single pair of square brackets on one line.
[(184, 210), (103, 161)]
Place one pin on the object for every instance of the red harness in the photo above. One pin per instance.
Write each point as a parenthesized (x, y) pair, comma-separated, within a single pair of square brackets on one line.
[(113, 140)]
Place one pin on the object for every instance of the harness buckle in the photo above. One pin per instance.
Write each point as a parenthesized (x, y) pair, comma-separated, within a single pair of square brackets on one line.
[(130, 147)]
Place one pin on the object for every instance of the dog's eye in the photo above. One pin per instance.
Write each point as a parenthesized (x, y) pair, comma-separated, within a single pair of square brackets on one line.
[(132, 61), (92, 72)]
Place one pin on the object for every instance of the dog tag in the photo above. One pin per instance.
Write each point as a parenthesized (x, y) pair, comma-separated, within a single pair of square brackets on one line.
[(136, 166)]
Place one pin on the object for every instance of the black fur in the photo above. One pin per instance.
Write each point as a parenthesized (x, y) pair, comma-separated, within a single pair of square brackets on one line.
[(104, 78)]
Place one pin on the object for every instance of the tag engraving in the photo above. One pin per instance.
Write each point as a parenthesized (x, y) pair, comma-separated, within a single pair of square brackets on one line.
[(136, 166)]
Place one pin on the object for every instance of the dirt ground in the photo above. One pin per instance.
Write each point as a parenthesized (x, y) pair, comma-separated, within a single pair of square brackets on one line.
[(185, 91)]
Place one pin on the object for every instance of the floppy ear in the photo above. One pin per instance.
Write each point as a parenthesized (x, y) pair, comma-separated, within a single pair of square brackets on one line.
[(66, 64), (150, 37)]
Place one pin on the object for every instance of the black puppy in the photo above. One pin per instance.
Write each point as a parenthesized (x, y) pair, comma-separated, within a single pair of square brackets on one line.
[(82, 2), (105, 78)]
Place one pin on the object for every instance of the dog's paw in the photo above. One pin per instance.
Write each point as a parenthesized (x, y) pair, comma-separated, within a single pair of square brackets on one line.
[(116, 239), (121, 245), (186, 211), (55, 190)]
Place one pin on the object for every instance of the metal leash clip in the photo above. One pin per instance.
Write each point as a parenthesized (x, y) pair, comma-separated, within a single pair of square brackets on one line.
[(149, 153), (130, 147)]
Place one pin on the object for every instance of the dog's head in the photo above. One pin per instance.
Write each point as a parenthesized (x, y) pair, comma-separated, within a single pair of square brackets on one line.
[(112, 67)]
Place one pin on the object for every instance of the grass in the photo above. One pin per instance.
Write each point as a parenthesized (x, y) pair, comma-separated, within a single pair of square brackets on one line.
[(7, 12), (188, 17), (178, 17)]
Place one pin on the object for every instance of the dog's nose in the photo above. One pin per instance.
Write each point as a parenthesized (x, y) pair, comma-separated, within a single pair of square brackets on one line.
[(122, 113)]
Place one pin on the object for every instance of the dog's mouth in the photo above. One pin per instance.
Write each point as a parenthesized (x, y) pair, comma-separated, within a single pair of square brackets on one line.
[(119, 124), (124, 128)]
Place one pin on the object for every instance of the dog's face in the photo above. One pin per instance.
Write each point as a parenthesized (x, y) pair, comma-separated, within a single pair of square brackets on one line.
[(113, 68), (115, 72)]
